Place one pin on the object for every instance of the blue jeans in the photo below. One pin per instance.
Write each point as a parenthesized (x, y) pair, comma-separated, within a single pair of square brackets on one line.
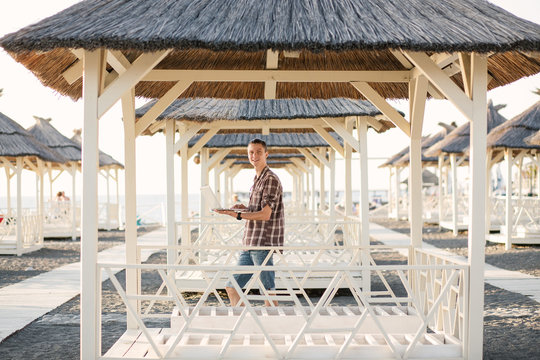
[(251, 258)]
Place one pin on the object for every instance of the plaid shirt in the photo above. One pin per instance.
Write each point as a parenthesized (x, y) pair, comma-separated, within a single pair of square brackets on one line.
[(266, 190)]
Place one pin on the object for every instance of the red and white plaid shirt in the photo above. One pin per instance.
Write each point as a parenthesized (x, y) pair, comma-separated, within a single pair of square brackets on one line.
[(266, 190)]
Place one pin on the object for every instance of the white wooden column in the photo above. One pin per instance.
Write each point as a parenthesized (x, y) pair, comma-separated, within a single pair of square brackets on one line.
[(348, 171), (477, 203), (361, 128), (453, 167), (8, 183), (537, 157), (186, 235), (322, 189), (332, 194), (313, 198), (74, 201), (41, 171), (509, 210), (170, 131), (417, 94), (441, 190), (117, 179), (488, 191), (108, 212), (398, 190), (90, 288), (390, 195), (203, 212), (18, 171), (132, 280)]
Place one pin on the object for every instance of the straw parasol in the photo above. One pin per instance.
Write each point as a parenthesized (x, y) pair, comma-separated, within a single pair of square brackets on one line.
[(457, 141), (15, 142), (515, 133), (352, 35), (534, 139), (48, 135)]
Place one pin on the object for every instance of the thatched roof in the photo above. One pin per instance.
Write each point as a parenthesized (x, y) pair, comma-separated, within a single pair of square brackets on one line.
[(15, 142), (427, 142), (271, 163), (458, 140), (514, 133), (271, 156), (330, 35), (105, 160), (534, 139), (277, 140), (428, 178), (48, 135), (394, 158)]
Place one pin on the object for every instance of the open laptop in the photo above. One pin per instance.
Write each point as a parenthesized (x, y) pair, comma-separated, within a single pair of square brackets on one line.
[(213, 202)]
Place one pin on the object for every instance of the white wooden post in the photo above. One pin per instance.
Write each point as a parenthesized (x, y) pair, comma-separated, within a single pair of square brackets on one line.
[(477, 203), (538, 174), (90, 289), (361, 128), (18, 171), (332, 194), (107, 210), (51, 194), (453, 166), (8, 183), (117, 179), (417, 93), (73, 201), (217, 184), (130, 175), (398, 190), (313, 199), (171, 221), (509, 211), (348, 171), (41, 198), (186, 236), (322, 189), (488, 191), (390, 192), (204, 181), (441, 190)]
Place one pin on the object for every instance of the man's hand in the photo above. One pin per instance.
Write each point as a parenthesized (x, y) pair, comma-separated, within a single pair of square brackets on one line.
[(239, 206), (226, 212)]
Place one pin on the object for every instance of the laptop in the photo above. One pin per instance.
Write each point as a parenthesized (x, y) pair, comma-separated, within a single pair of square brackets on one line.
[(212, 200)]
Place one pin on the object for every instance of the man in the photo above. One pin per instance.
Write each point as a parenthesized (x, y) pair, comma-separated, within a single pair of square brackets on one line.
[(264, 219)]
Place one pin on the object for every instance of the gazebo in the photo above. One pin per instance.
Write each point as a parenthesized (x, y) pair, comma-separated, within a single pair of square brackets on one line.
[(23, 231), (455, 147), (374, 49), (108, 168), (62, 219), (521, 213)]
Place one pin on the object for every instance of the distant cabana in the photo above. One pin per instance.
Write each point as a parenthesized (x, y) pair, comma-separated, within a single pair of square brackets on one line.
[(108, 168), (378, 50), (453, 151), (23, 231), (521, 213), (63, 218)]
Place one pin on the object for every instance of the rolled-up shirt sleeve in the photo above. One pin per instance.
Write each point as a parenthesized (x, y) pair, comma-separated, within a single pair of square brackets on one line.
[(271, 193)]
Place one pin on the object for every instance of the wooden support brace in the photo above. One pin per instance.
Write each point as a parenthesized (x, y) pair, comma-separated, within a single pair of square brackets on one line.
[(329, 139), (186, 136), (320, 156), (310, 157), (217, 157), (344, 133), (202, 141)]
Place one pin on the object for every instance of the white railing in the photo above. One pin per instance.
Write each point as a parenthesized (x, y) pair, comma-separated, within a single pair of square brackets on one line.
[(447, 207), (430, 207), (525, 215), (8, 227), (422, 312), (30, 232)]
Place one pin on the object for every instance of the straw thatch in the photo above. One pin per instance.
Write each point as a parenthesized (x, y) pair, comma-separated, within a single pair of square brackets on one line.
[(271, 156), (534, 139), (279, 140), (427, 142), (514, 133), (48, 135), (105, 160), (221, 34), (458, 140), (394, 158), (271, 163), (209, 109), (15, 142)]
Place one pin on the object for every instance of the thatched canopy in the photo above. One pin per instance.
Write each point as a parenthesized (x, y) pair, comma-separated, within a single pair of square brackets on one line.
[(428, 179), (514, 133), (427, 142), (48, 135), (278, 142), (209, 110), (394, 158), (15, 142), (534, 139), (458, 140), (245, 164), (329, 35), (105, 160)]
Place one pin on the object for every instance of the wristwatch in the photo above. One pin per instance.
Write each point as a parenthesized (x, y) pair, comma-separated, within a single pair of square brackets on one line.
[(239, 216)]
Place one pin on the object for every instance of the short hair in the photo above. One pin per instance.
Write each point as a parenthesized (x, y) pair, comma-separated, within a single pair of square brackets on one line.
[(260, 142)]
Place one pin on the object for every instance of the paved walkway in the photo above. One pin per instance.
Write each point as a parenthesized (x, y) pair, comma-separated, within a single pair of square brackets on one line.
[(26, 301), (513, 281)]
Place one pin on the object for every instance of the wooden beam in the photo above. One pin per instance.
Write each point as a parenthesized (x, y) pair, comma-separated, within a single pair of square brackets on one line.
[(74, 72), (310, 157), (441, 81), (278, 75), (163, 103), (329, 139), (300, 164), (202, 141), (186, 136), (373, 122), (140, 67), (226, 164), (465, 61), (320, 156), (217, 157), (344, 133), (418, 106), (381, 104)]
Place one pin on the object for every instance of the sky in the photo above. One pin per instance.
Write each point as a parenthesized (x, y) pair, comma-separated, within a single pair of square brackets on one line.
[(24, 96)]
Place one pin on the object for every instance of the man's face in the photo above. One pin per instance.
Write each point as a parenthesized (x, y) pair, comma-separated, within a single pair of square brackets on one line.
[(257, 155)]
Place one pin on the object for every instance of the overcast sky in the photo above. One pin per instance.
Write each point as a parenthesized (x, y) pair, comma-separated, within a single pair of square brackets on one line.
[(24, 97)]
